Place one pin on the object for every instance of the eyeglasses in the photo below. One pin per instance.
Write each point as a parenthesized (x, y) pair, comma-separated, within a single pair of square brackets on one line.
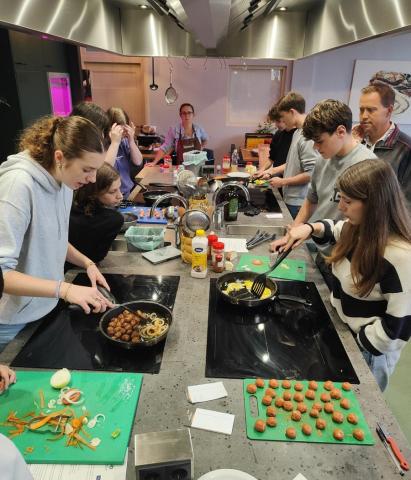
[(186, 113)]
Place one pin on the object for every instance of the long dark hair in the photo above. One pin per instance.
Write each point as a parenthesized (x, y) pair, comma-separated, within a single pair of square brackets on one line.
[(118, 115), (385, 218), (72, 135), (86, 198)]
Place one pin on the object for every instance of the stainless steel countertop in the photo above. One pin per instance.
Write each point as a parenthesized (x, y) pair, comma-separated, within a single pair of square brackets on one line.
[(163, 404)]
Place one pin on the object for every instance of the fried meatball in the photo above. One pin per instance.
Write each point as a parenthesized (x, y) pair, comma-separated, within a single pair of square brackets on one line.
[(290, 433), (288, 406), (259, 425), (302, 407), (298, 397), (273, 383), (271, 422), (320, 424), (271, 412), (260, 383), (345, 404), (338, 434), (358, 434), (310, 394), (352, 418), (267, 400), (306, 429), (296, 416), (338, 417), (251, 388)]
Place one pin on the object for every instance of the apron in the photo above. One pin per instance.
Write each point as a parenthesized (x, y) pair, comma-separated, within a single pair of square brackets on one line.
[(186, 145)]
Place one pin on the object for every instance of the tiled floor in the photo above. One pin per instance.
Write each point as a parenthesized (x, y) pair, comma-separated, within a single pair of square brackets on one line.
[(398, 393)]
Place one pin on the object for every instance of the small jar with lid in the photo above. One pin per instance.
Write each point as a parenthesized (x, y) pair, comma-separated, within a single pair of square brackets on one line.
[(218, 266), (211, 240), (168, 161), (217, 249)]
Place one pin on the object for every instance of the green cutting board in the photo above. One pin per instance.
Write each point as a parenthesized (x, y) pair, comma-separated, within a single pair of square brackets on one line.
[(284, 418), (113, 394), (289, 269)]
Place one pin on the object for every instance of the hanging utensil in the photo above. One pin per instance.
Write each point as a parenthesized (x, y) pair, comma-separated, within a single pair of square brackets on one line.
[(153, 85), (171, 95)]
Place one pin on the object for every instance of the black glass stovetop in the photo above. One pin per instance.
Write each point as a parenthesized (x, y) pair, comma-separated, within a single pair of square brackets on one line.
[(72, 339), (281, 340)]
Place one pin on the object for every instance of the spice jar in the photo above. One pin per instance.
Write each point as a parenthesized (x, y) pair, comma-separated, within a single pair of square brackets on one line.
[(217, 249), (211, 239), (168, 161), (218, 267)]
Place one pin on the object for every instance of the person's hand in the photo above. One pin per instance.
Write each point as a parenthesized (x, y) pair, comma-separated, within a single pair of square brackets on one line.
[(130, 131), (7, 377), (263, 174), (277, 182), (96, 276), (296, 236), (277, 245), (89, 298), (116, 133)]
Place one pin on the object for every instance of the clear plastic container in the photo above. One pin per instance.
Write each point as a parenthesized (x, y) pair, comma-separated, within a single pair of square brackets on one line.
[(199, 247)]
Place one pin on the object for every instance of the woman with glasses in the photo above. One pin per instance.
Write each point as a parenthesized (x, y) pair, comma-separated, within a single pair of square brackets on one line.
[(184, 137)]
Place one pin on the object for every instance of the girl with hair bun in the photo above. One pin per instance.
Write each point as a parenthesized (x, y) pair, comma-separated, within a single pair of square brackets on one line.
[(371, 262), (57, 155)]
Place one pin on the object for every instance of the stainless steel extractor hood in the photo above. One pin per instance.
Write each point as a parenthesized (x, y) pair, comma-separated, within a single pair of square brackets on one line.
[(283, 29)]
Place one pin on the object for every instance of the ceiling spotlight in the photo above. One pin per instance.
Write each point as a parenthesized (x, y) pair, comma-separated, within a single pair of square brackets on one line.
[(282, 9), (143, 7)]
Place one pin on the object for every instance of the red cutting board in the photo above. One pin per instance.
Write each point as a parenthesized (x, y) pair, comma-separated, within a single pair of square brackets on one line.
[(113, 394), (284, 420)]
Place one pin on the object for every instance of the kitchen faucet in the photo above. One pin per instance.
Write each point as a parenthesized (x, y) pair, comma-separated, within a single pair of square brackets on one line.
[(232, 185), (166, 196)]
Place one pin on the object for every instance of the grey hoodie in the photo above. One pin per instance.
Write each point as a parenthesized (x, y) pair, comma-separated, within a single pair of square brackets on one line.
[(34, 219)]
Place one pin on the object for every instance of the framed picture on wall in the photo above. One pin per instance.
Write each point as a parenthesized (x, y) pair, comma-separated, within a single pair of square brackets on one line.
[(395, 74)]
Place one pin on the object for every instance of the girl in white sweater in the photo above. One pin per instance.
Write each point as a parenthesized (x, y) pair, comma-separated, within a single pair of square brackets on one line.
[(371, 262)]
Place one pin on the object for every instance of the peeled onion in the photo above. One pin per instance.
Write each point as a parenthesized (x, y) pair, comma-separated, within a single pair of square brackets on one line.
[(61, 378)]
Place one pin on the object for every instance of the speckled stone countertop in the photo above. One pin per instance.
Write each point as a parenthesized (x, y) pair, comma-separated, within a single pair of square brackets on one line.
[(163, 404)]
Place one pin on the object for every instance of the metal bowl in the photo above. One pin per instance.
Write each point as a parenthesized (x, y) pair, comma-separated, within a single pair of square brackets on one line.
[(145, 306), (195, 219)]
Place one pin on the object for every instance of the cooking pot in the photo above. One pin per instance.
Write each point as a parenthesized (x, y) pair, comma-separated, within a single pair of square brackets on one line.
[(250, 301), (144, 306)]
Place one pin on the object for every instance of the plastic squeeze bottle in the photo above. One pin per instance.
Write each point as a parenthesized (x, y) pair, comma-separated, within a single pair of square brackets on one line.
[(199, 255)]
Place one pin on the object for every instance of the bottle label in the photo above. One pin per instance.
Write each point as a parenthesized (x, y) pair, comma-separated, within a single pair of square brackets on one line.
[(199, 260)]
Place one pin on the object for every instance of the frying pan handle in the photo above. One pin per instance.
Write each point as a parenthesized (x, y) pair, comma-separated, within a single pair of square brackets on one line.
[(292, 298)]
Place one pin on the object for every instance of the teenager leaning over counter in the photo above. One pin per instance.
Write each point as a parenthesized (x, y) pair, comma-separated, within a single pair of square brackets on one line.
[(371, 262), (58, 155)]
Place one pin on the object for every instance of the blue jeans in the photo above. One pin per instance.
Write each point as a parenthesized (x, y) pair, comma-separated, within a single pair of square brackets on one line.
[(8, 332), (381, 366), (294, 209)]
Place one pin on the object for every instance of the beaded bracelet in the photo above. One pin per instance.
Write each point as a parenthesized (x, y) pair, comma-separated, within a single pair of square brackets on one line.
[(311, 226)]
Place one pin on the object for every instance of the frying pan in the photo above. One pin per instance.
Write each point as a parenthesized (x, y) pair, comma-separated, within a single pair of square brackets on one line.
[(249, 302), (143, 305), (150, 196)]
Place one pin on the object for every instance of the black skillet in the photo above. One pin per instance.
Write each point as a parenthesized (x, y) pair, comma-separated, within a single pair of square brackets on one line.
[(250, 301)]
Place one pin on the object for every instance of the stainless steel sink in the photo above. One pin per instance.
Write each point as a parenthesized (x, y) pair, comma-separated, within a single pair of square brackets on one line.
[(250, 230), (119, 245)]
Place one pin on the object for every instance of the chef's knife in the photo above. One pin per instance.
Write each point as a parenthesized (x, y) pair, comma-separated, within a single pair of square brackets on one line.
[(392, 447)]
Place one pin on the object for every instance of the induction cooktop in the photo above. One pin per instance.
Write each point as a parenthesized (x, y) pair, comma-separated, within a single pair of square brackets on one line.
[(72, 339), (283, 339)]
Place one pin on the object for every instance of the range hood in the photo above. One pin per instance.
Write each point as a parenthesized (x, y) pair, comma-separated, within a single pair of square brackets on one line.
[(282, 29)]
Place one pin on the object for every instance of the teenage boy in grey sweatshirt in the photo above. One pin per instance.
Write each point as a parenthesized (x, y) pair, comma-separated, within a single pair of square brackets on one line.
[(329, 125), (301, 156)]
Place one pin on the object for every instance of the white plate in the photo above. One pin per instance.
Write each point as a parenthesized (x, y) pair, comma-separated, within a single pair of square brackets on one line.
[(238, 174), (227, 474)]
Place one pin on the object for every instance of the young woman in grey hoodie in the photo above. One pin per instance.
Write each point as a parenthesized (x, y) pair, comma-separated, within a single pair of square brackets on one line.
[(58, 155)]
